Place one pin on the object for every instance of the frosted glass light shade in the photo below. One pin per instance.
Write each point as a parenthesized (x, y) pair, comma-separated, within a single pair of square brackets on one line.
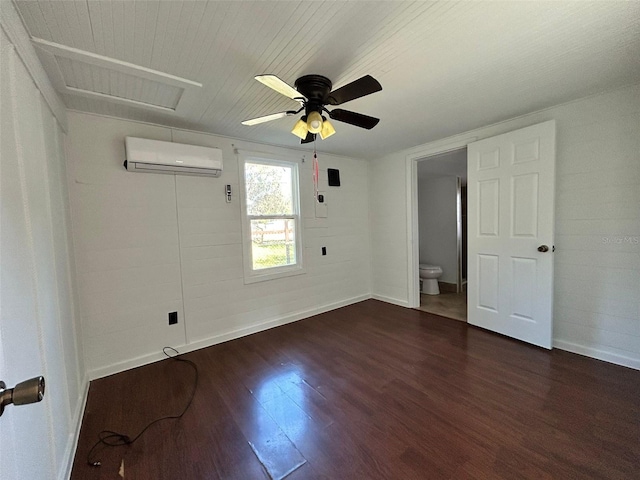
[(314, 122), (327, 130), (300, 129)]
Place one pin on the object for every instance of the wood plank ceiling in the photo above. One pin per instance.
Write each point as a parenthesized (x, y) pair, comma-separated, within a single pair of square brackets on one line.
[(445, 67)]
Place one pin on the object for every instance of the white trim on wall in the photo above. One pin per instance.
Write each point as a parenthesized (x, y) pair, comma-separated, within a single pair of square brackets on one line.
[(393, 301), (413, 244), (597, 353), (76, 424), (12, 24)]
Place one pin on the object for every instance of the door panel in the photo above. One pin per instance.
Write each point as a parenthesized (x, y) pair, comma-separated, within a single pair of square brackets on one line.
[(524, 198), (488, 282), (523, 273), (511, 186), (489, 208)]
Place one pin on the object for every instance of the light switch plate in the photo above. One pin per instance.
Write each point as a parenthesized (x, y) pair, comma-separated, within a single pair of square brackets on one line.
[(321, 208)]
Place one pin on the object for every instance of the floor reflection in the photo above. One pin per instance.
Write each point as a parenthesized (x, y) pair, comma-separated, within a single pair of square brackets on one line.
[(285, 404), (280, 422)]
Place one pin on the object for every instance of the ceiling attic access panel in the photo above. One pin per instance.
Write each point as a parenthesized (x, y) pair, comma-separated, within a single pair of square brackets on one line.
[(81, 73)]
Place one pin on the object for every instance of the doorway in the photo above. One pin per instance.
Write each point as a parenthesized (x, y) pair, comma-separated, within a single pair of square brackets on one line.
[(441, 215), (511, 181)]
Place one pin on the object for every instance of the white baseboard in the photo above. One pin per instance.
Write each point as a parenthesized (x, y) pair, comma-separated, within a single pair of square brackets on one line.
[(72, 441), (223, 337), (598, 354), (394, 301)]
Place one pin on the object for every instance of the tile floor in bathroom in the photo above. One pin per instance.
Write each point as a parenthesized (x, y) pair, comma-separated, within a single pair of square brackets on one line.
[(447, 304)]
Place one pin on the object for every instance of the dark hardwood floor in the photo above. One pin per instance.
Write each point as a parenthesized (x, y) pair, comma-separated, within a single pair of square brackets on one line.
[(370, 391)]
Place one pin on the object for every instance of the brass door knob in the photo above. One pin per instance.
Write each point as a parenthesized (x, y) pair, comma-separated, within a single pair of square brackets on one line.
[(543, 248)]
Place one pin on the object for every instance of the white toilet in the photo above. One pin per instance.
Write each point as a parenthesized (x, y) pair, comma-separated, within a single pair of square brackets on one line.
[(429, 274)]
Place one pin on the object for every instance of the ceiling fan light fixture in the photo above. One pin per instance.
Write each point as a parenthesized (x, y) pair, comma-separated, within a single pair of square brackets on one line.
[(314, 122), (327, 129), (300, 129), (314, 92)]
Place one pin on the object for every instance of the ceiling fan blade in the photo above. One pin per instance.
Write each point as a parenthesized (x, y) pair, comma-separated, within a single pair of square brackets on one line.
[(353, 118), (310, 138), (267, 118), (356, 89), (279, 86)]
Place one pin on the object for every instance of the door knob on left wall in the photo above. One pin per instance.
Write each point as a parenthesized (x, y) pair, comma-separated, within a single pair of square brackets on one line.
[(29, 391)]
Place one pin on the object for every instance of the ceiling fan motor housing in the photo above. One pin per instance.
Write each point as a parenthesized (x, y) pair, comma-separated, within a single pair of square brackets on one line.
[(316, 89)]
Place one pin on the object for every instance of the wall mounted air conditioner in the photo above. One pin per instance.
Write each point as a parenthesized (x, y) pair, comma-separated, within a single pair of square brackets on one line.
[(154, 156)]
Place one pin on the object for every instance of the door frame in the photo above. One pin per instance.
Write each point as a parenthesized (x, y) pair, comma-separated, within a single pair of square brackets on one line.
[(413, 243), (459, 252)]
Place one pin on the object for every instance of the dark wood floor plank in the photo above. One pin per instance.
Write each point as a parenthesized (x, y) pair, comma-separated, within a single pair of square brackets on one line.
[(371, 391)]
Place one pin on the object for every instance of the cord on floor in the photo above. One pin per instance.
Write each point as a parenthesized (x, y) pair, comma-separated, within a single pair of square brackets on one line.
[(109, 438)]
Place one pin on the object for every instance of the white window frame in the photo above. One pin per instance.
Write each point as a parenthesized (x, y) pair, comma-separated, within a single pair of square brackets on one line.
[(263, 274)]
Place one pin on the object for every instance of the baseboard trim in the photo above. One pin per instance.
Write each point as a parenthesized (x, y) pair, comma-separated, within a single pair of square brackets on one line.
[(394, 301), (74, 436), (243, 332), (224, 337), (598, 354), (448, 287)]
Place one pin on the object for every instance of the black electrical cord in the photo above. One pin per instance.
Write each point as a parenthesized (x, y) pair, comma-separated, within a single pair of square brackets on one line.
[(110, 438)]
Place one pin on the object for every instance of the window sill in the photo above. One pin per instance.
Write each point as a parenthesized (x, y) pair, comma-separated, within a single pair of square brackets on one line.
[(273, 274)]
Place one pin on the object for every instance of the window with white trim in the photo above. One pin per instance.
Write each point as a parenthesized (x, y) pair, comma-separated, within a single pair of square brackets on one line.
[(271, 219)]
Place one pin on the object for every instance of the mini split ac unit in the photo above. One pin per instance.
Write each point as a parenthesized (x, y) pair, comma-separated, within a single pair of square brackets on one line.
[(154, 156)]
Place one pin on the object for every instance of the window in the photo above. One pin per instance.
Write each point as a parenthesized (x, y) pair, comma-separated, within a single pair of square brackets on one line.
[(271, 219)]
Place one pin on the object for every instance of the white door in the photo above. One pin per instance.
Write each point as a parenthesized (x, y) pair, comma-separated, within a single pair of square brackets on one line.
[(27, 336), (510, 236)]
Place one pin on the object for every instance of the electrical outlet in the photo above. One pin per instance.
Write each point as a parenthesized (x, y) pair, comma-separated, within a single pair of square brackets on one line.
[(173, 318)]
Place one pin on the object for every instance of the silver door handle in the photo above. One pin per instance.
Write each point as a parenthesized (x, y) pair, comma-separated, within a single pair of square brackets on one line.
[(29, 391)]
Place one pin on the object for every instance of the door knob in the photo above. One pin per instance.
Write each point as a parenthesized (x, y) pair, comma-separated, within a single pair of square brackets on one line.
[(543, 248), (29, 391)]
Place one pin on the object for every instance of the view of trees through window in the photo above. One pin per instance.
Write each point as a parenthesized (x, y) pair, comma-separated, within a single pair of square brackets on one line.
[(270, 208)]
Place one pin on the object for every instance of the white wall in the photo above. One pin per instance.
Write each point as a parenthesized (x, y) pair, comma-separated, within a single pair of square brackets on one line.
[(597, 262), (438, 224), (38, 334), (148, 244)]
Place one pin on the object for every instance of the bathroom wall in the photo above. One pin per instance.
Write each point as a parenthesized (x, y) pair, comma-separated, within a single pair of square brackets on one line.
[(148, 244), (597, 258), (437, 220)]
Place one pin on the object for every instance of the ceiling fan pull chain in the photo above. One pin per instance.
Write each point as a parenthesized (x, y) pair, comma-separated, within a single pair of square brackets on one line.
[(315, 173)]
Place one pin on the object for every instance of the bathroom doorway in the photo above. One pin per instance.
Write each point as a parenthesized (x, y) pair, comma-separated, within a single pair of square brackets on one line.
[(442, 233)]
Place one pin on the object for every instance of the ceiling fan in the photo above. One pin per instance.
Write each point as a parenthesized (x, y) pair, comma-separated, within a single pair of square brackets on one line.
[(314, 93)]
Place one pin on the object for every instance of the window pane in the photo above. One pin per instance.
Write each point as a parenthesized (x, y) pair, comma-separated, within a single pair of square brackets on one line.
[(269, 189), (273, 243)]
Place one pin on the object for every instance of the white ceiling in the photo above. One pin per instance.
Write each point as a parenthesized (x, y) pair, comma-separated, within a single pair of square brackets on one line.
[(445, 67)]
